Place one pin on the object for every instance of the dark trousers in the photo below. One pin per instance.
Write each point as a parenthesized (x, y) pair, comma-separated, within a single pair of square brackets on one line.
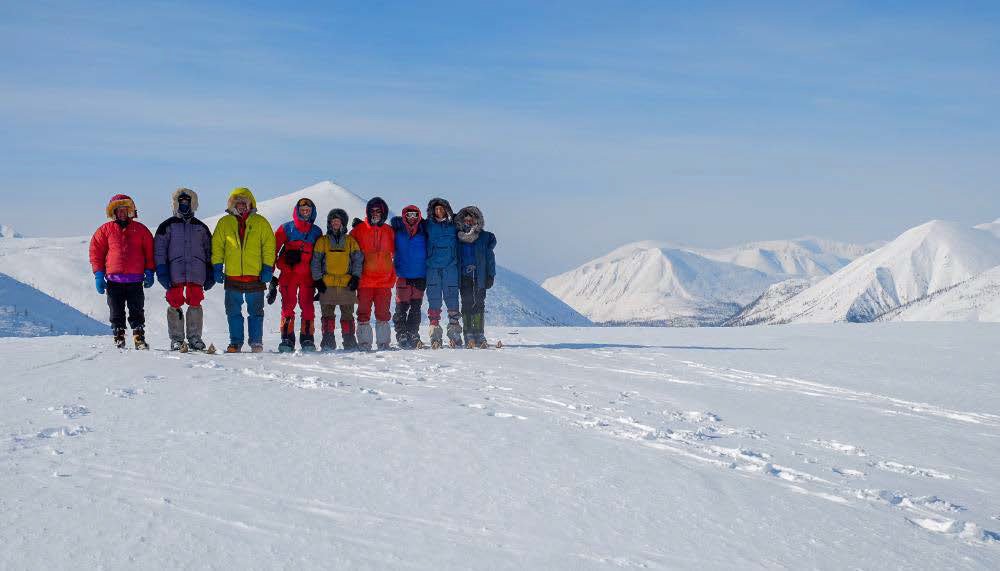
[(122, 295), (473, 306)]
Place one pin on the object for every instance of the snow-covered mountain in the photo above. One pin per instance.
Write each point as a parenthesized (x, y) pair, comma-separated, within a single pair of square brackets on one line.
[(991, 227), (975, 299), (803, 257), (665, 284), (9, 232), (60, 267), (27, 312), (326, 195), (654, 283), (764, 306), (921, 261)]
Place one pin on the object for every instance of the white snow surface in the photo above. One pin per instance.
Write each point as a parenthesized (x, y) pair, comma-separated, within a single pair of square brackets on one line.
[(666, 284), (921, 261), (60, 267), (571, 448), (975, 299)]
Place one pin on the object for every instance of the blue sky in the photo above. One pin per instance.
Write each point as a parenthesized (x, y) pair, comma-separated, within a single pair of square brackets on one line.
[(576, 126)]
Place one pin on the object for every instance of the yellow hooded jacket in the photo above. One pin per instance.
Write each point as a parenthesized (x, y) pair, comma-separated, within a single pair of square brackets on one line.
[(246, 257)]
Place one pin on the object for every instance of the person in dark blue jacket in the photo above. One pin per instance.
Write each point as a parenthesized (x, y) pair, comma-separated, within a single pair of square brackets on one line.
[(478, 267), (442, 271), (411, 276)]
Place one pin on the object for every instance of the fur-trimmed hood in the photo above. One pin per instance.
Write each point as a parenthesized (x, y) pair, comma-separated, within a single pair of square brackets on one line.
[(381, 204), (236, 193), (174, 200), (470, 234), (434, 202), (340, 214), (119, 200)]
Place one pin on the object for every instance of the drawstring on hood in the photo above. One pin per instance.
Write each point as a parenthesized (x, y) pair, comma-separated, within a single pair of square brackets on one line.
[(469, 234)]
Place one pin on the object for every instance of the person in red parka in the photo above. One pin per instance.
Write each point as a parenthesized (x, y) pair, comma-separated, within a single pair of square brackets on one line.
[(121, 256), (378, 244), (294, 242)]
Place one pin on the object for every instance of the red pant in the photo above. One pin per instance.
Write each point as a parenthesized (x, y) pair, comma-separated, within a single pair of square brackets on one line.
[(405, 293), (176, 296), (380, 296), (296, 289)]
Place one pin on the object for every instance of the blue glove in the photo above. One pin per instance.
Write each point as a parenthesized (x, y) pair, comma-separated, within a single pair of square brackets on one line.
[(266, 274), (220, 278), (147, 279), (163, 275), (99, 282)]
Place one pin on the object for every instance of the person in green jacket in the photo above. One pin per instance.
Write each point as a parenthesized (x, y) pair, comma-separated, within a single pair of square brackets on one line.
[(243, 260)]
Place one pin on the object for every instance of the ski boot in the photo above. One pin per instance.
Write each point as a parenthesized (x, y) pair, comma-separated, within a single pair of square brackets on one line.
[(193, 328), (119, 336), (287, 344), (347, 329), (328, 342), (175, 327), (306, 339), (139, 338), (365, 336), (436, 335), (454, 335), (382, 335)]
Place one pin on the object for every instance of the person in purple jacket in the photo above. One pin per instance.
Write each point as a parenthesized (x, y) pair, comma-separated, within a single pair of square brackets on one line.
[(182, 250)]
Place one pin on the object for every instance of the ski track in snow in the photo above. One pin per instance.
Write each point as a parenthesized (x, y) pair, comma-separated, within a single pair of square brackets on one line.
[(826, 468)]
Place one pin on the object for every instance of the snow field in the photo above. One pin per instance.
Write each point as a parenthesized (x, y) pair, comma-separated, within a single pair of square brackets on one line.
[(804, 446)]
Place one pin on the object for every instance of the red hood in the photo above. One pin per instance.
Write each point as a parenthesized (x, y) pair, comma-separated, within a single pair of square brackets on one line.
[(412, 226)]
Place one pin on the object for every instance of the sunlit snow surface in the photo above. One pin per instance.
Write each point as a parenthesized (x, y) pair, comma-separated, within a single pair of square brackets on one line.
[(820, 446)]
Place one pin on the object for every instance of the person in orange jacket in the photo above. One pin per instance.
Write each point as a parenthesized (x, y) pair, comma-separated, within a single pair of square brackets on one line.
[(121, 256), (378, 244), (294, 242)]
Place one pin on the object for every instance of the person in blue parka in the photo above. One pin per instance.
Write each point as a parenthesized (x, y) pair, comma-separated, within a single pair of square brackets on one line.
[(479, 268), (442, 271), (411, 275)]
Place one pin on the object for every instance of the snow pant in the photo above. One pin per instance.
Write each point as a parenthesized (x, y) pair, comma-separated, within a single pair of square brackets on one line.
[(406, 318), (329, 301), (380, 298), (473, 309), (177, 296), (121, 295), (296, 289), (255, 319), (442, 285)]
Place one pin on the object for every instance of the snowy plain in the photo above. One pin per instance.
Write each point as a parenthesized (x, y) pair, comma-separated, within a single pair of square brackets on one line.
[(807, 446)]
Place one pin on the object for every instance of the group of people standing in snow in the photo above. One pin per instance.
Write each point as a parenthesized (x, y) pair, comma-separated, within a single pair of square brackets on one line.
[(446, 257)]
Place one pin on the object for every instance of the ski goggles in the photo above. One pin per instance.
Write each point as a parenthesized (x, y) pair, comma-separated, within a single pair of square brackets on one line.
[(411, 215)]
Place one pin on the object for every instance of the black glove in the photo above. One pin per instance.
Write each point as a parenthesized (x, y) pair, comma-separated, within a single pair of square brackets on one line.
[(209, 284), (355, 222), (489, 282), (419, 283), (353, 284), (272, 291), (320, 285)]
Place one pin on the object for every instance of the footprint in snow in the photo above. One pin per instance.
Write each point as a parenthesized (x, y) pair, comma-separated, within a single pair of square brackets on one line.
[(124, 393), (70, 410)]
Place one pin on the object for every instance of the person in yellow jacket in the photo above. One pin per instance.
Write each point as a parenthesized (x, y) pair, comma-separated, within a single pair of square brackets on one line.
[(243, 260), (337, 262)]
